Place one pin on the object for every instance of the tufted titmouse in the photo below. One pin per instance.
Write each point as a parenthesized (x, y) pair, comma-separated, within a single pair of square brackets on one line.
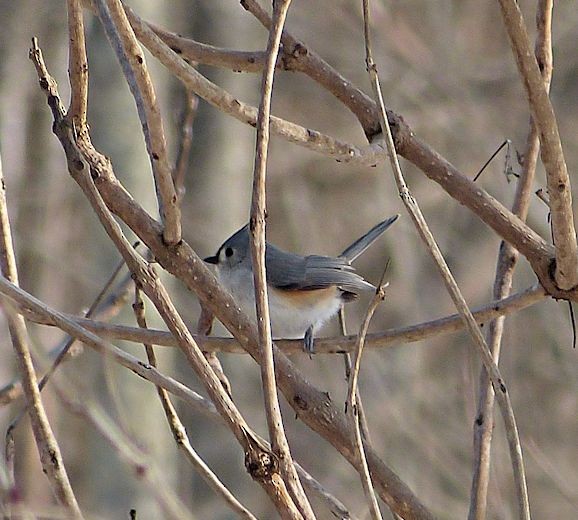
[(304, 291)]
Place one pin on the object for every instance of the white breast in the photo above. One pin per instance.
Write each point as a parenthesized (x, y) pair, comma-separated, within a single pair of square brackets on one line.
[(291, 314)]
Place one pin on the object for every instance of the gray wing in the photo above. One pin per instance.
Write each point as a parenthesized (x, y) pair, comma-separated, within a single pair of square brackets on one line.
[(294, 272)]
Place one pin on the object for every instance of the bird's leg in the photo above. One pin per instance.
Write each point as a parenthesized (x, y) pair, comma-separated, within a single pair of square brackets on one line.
[(308, 341)]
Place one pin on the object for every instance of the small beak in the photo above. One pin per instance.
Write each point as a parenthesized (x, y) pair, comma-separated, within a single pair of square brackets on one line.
[(211, 260)]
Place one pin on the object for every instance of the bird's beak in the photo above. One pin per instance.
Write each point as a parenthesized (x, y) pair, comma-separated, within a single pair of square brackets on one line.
[(211, 260)]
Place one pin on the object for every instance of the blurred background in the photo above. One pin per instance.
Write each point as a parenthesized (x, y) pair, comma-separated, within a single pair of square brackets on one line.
[(447, 68)]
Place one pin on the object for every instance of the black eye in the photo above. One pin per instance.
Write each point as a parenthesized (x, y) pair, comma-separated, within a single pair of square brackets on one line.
[(228, 252)]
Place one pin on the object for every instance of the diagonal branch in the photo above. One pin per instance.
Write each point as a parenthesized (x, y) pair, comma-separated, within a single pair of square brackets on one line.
[(452, 287), (557, 178), (539, 253), (312, 406), (178, 429), (132, 61)]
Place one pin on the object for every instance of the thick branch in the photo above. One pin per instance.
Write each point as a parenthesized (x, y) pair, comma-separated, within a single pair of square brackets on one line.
[(558, 181)]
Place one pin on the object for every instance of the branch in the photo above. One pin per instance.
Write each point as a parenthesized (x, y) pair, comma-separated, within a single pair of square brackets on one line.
[(77, 65), (178, 429), (312, 406), (337, 345), (247, 114), (351, 405), (452, 287), (558, 181), (132, 61), (277, 436), (507, 260), (48, 448)]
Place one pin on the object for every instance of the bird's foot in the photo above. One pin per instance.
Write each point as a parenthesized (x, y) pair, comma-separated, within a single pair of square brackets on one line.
[(308, 341)]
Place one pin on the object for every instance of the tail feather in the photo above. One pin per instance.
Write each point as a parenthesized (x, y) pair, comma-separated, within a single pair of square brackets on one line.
[(361, 244)]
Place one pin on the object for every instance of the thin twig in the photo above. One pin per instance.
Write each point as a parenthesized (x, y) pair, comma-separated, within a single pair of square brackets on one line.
[(544, 117), (132, 61), (351, 402), (481, 170), (48, 448), (507, 259), (453, 289), (178, 429), (277, 436)]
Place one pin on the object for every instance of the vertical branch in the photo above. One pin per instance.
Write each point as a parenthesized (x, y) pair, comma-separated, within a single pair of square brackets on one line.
[(506, 264), (277, 437), (131, 58), (351, 403), (557, 178), (77, 65), (48, 449), (452, 288)]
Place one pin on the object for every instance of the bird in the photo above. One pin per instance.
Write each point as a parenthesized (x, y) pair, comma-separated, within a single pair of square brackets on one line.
[(304, 291)]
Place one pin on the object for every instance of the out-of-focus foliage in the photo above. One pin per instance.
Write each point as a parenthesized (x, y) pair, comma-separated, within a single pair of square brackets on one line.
[(447, 68)]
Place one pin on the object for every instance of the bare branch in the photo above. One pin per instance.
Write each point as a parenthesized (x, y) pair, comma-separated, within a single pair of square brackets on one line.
[(558, 181), (351, 402), (131, 58), (338, 345), (247, 114), (277, 436), (77, 65), (178, 429), (507, 260), (48, 448), (452, 287)]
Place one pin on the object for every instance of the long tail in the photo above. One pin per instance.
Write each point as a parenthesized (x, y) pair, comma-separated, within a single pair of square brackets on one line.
[(361, 244)]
